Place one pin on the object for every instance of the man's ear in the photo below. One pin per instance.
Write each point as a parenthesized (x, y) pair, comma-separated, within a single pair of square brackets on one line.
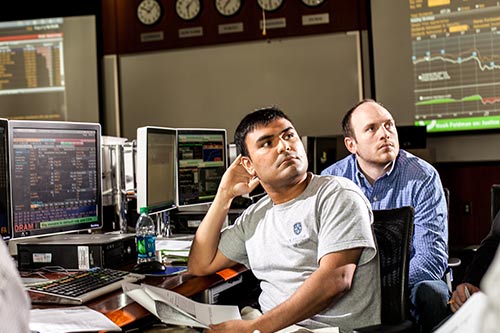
[(350, 144), (248, 165)]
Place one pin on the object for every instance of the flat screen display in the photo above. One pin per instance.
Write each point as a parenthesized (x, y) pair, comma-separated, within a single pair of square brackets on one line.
[(5, 222), (437, 64), (49, 69), (155, 176), (55, 170), (201, 162)]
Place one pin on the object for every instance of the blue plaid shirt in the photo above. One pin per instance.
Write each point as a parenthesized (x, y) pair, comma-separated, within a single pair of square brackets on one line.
[(410, 182)]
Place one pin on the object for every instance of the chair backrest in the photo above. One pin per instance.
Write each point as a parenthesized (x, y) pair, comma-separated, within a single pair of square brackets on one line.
[(393, 229)]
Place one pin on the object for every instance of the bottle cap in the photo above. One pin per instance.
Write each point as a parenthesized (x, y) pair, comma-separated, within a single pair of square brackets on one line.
[(144, 210)]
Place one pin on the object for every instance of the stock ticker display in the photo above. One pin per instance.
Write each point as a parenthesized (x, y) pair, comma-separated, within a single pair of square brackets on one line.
[(54, 178), (456, 62)]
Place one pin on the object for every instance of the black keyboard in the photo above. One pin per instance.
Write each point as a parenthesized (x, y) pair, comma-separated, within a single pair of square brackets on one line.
[(81, 287)]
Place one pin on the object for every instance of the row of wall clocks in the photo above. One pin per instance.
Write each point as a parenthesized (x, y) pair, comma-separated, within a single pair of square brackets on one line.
[(149, 12)]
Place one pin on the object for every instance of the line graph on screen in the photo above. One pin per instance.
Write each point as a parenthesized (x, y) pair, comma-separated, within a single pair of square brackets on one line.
[(456, 62)]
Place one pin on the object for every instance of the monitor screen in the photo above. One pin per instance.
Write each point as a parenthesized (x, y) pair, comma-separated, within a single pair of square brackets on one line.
[(155, 175), (202, 160), (55, 170), (5, 229), (436, 63), (49, 69)]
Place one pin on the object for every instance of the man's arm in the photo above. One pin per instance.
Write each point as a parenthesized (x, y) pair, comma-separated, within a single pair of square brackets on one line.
[(204, 256), (330, 281), (477, 268), (431, 233)]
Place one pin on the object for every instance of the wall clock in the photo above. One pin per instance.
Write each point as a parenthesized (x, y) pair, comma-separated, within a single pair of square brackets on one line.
[(269, 5), (188, 9), (228, 7), (312, 3), (149, 12)]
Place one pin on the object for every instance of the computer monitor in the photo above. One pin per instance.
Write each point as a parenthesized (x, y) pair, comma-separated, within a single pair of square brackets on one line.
[(50, 65), (55, 177), (201, 162), (5, 224), (155, 173)]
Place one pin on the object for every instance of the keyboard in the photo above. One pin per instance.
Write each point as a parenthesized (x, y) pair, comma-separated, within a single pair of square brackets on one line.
[(81, 287)]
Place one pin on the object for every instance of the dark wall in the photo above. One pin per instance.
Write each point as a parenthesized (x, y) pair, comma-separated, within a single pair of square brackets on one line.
[(470, 212), (122, 30)]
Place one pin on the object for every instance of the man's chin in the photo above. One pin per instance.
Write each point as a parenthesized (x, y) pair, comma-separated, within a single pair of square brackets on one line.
[(388, 156)]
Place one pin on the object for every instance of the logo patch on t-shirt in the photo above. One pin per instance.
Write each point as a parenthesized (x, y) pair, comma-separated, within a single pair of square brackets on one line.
[(297, 228)]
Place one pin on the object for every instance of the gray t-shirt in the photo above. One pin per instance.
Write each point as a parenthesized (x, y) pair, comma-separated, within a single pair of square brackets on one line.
[(14, 300), (282, 245)]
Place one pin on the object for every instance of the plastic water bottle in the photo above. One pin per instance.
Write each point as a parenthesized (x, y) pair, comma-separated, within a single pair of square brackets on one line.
[(145, 237)]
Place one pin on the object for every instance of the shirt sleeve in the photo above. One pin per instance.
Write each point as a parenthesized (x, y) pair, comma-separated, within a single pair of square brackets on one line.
[(345, 223), (430, 241)]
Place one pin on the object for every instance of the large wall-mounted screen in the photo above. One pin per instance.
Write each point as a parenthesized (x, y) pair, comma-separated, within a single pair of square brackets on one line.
[(456, 62), (49, 69), (437, 63)]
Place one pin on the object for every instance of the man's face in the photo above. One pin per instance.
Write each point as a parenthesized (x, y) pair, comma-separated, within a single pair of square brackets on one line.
[(276, 154), (375, 138)]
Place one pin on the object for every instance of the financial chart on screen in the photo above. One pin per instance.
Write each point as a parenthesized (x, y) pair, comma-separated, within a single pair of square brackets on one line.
[(456, 62)]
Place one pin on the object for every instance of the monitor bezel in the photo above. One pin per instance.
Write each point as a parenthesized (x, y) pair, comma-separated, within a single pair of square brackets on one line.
[(5, 125), (142, 175), (59, 125), (180, 131)]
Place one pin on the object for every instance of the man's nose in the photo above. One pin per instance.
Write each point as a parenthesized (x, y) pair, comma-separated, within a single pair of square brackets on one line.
[(385, 132), (283, 145)]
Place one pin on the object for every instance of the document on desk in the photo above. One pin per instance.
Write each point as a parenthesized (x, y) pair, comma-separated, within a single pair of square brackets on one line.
[(70, 319), (172, 308), (468, 318)]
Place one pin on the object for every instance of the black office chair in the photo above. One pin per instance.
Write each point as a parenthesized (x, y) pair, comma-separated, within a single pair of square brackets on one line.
[(453, 262), (393, 230)]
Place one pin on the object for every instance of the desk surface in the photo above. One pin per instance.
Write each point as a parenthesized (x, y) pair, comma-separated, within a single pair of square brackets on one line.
[(124, 311)]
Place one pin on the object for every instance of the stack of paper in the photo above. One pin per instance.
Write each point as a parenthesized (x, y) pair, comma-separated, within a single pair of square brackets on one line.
[(171, 251)]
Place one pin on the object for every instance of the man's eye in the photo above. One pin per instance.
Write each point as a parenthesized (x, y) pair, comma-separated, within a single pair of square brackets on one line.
[(288, 136)]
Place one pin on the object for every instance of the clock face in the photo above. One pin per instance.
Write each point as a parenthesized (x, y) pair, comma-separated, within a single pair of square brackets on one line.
[(312, 3), (188, 9), (149, 12), (228, 7), (269, 5)]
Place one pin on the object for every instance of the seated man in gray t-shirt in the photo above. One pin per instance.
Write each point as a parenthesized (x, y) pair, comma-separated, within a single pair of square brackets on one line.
[(309, 241)]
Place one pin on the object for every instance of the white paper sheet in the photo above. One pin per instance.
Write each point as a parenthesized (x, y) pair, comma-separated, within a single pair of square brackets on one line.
[(70, 319), (173, 308)]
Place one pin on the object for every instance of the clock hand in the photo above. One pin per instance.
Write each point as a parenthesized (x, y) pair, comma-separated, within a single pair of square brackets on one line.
[(189, 5)]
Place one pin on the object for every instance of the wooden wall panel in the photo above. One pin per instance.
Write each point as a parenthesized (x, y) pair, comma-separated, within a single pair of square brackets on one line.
[(469, 185), (343, 16)]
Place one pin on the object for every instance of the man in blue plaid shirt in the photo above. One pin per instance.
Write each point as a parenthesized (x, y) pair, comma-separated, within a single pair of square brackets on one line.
[(392, 178)]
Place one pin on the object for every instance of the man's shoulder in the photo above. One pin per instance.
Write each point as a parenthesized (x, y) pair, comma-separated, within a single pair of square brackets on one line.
[(414, 165)]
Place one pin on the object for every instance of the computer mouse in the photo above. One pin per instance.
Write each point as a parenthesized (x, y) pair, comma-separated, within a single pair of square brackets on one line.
[(149, 267)]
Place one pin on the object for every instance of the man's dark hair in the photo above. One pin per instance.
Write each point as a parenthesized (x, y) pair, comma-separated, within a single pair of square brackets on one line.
[(346, 121), (259, 117)]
